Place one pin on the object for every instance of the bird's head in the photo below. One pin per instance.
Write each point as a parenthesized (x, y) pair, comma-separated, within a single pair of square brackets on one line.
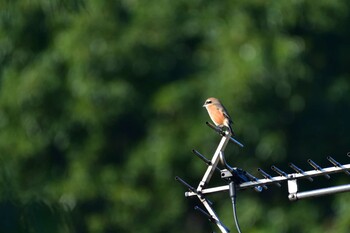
[(210, 101)]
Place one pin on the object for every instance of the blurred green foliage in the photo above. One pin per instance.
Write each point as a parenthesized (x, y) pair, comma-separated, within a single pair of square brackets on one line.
[(100, 106)]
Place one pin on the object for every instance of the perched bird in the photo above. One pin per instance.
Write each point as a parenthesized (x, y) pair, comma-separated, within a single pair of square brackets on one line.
[(218, 114)]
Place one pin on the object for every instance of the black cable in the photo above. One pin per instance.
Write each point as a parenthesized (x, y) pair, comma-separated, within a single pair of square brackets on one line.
[(233, 199)]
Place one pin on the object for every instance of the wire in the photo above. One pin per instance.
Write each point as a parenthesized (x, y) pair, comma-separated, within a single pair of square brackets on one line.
[(233, 199)]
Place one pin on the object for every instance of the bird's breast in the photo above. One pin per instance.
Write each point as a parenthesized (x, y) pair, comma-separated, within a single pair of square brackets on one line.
[(216, 115)]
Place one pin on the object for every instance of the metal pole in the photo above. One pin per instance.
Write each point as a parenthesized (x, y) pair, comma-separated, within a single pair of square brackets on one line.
[(214, 162), (212, 213), (321, 192)]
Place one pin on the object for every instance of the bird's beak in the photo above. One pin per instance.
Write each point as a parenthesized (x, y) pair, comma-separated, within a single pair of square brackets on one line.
[(204, 106)]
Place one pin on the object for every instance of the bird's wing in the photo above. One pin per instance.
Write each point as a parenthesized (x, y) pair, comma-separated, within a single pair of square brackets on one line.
[(224, 111)]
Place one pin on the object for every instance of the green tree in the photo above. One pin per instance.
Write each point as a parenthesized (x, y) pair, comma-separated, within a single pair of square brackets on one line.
[(100, 107)]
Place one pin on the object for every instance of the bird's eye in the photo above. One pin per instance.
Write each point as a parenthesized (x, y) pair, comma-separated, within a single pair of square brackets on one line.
[(208, 101)]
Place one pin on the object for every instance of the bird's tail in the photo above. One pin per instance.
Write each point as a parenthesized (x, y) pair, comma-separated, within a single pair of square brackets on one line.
[(231, 130), (227, 123)]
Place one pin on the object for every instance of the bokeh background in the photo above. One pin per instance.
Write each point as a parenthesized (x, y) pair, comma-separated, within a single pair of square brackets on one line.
[(101, 105)]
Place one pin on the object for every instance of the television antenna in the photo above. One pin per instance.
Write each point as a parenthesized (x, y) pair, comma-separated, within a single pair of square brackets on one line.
[(239, 179)]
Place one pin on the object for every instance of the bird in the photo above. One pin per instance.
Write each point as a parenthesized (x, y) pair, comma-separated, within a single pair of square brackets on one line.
[(218, 113)]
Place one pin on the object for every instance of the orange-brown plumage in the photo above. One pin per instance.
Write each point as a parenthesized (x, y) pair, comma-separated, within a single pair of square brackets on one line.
[(218, 114)]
